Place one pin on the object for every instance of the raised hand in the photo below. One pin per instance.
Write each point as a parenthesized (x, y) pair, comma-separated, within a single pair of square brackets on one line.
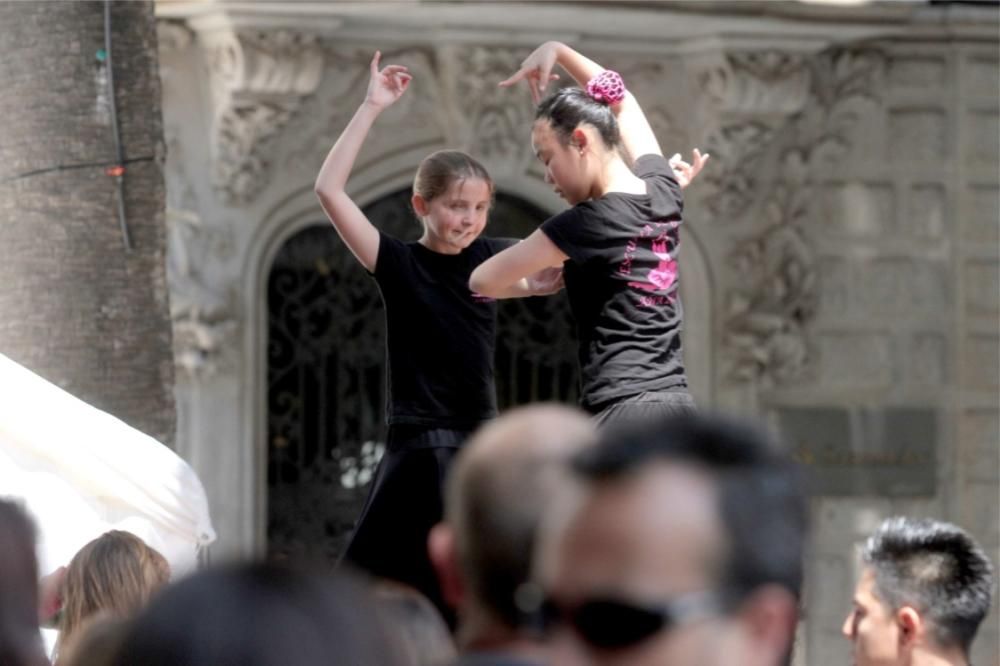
[(536, 70), (687, 172), (387, 85)]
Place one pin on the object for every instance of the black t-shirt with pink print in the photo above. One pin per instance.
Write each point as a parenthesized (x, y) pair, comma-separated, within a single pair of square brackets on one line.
[(621, 279), (440, 337)]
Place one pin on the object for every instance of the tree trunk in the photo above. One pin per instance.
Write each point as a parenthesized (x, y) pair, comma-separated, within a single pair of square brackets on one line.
[(75, 306)]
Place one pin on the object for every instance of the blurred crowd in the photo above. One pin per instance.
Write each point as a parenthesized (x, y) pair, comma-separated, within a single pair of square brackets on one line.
[(680, 541)]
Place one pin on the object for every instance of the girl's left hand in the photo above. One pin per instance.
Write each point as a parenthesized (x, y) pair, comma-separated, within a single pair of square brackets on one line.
[(387, 85), (536, 70), (687, 172)]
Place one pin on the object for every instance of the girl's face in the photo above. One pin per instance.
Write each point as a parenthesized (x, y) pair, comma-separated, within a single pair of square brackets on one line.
[(564, 168), (455, 218)]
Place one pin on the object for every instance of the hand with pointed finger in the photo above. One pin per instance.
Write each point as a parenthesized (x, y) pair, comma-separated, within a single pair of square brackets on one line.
[(386, 85), (687, 172), (536, 70)]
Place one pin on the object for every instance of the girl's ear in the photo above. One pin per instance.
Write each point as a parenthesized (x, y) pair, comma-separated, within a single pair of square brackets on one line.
[(579, 139), (419, 205)]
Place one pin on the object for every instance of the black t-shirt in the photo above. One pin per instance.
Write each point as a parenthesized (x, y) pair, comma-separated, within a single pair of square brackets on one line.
[(440, 337), (621, 279)]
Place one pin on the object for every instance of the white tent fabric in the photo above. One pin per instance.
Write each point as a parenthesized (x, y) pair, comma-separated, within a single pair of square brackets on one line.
[(81, 472)]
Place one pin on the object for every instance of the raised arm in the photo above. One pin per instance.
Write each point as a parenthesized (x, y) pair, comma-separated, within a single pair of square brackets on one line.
[(361, 237), (536, 70), (504, 274)]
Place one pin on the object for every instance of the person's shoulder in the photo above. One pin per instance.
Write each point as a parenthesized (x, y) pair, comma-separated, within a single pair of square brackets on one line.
[(390, 241), (662, 186), (596, 208), (566, 226), (652, 165), (579, 230), (393, 255), (582, 210)]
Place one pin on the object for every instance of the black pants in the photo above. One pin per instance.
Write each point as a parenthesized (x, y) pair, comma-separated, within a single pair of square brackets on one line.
[(405, 501)]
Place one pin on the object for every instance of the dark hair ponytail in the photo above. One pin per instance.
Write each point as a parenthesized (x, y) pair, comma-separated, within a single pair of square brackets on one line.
[(568, 108)]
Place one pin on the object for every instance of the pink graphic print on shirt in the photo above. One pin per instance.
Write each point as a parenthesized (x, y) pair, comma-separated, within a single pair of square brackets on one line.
[(662, 277)]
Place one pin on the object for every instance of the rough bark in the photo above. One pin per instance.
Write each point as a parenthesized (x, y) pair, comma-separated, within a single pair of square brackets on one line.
[(75, 306)]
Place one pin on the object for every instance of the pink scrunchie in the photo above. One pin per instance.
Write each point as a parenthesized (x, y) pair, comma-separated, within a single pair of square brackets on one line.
[(607, 87)]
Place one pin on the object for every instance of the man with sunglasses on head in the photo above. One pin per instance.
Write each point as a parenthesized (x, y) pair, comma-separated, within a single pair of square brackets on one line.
[(684, 547), (925, 587), (502, 481)]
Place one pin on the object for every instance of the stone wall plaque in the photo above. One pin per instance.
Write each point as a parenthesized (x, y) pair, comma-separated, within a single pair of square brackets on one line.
[(886, 452)]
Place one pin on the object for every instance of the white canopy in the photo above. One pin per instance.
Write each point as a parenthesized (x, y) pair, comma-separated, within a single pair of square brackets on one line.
[(81, 472)]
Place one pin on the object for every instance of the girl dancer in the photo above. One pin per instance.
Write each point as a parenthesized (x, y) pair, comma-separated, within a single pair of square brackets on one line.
[(618, 242), (440, 335)]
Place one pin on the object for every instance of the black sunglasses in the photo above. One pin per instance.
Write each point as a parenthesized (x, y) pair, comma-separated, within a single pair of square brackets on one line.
[(611, 624)]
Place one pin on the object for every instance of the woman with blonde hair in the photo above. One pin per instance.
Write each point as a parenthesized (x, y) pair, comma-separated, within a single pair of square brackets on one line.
[(115, 574)]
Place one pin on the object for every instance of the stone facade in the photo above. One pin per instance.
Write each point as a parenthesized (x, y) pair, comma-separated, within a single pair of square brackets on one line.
[(842, 246)]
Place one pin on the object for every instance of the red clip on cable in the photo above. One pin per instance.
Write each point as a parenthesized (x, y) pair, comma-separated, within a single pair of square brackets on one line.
[(117, 170)]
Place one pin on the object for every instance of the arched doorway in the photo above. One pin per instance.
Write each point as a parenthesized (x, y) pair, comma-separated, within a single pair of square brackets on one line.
[(326, 373)]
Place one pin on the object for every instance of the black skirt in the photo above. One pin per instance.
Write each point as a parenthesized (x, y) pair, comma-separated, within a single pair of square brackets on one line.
[(405, 501)]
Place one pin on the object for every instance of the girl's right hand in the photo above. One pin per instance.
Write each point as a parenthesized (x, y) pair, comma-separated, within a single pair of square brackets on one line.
[(687, 172), (387, 85), (537, 70)]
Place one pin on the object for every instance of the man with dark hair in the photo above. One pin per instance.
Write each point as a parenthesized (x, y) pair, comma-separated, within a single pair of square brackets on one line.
[(684, 547), (501, 483), (925, 586)]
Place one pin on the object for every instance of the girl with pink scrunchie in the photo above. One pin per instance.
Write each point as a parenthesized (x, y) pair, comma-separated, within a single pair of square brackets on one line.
[(618, 242)]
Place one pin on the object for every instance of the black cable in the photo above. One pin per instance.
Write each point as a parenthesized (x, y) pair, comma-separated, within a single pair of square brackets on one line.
[(119, 177)]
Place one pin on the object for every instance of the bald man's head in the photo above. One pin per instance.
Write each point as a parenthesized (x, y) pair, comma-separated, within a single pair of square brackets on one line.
[(499, 485)]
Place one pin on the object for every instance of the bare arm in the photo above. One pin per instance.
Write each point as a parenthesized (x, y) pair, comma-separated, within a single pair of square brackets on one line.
[(545, 282), (360, 236), (503, 274), (637, 135)]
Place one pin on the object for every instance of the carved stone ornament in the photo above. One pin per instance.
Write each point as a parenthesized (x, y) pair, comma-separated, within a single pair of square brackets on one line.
[(737, 149), (202, 316), (326, 113), (647, 78), (768, 314), (752, 95), (259, 79), (498, 119), (756, 82), (199, 340), (172, 36)]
